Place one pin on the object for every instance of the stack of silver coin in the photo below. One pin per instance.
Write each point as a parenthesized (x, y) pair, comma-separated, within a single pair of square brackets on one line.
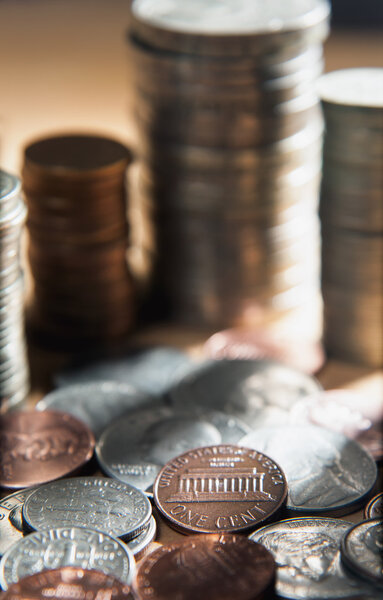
[(230, 134), (13, 363), (352, 214)]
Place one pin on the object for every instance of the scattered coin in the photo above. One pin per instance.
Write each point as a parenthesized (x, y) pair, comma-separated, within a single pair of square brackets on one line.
[(362, 549), (140, 543), (39, 447), (208, 567), (325, 471), (374, 508), (67, 547), (11, 522), (221, 488), (307, 553), (136, 446)]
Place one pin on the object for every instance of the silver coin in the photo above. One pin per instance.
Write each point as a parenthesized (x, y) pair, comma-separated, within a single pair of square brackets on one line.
[(374, 508), (108, 505), (325, 471), (11, 522), (64, 547), (140, 543), (353, 87), (260, 392), (134, 448), (362, 549), (98, 403), (307, 553)]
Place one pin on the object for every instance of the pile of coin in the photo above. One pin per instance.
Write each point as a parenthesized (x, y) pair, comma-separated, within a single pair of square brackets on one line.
[(14, 377), (352, 215), (230, 138), (78, 235)]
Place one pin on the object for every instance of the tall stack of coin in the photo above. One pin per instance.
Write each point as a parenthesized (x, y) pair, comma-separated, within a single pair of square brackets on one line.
[(13, 363), (76, 195), (230, 137), (352, 214)]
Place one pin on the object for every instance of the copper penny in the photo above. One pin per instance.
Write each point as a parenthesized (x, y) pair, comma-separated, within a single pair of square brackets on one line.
[(37, 447), (207, 567), (223, 488), (68, 583), (304, 355)]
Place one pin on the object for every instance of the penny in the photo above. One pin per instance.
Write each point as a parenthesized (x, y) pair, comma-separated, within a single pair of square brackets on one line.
[(374, 508), (68, 583), (139, 544), (116, 508), (66, 547), (325, 471), (39, 447), (307, 552), (136, 446), (223, 488), (11, 522), (209, 567), (362, 548)]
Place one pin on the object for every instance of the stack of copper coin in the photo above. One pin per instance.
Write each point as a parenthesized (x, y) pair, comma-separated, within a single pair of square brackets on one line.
[(352, 214), (230, 137), (13, 364), (76, 196)]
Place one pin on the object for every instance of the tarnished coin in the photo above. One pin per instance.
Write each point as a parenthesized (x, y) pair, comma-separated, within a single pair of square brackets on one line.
[(39, 447), (140, 543), (362, 549), (66, 547), (208, 567), (135, 447), (117, 508), (307, 552), (374, 508), (223, 488), (325, 471), (68, 583), (97, 403), (11, 521), (260, 392)]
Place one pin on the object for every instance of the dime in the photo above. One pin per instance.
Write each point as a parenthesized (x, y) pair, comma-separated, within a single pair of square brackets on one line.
[(11, 522), (260, 392), (97, 403), (39, 447), (139, 544), (374, 508), (325, 471), (136, 446), (307, 552), (66, 547), (222, 488), (362, 549), (116, 508), (68, 583)]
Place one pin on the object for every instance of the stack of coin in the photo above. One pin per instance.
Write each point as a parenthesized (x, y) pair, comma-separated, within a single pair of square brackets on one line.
[(352, 214), (13, 363), (76, 195), (230, 139)]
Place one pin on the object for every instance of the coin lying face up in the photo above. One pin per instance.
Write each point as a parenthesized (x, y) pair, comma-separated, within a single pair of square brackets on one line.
[(11, 521), (374, 508), (362, 549)]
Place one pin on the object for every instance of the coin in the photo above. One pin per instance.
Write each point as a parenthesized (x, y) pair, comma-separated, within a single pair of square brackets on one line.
[(66, 547), (39, 447), (136, 446), (220, 566), (139, 544), (11, 522), (66, 583), (96, 404), (259, 392), (222, 488), (307, 552), (374, 508), (116, 508), (325, 471), (362, 550)]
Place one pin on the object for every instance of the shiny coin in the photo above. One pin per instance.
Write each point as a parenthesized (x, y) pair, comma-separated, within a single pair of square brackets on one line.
[(39, 447), (307, 552), (353, 87), (260, 392), (68, 583), (139, 544), (374, 508), (11, 522), (136, 446), (325, 471), (117, 508), (219, 488), (66, 547), (362, 548), (208, 567), (97, 404)]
